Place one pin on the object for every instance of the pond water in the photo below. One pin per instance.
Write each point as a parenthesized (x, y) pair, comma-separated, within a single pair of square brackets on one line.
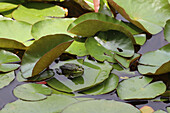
[(156, 42)]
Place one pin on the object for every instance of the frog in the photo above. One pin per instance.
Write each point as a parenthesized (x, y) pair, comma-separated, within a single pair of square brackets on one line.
[(70, 70)]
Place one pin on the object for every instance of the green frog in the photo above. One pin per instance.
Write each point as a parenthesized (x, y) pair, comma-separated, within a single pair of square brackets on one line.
[(70, 70)]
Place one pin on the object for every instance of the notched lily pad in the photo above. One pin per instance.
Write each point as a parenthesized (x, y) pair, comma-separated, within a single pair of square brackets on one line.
[(89, 24), (32, 92), (4, 6), (42, 53), (7, 61), (140, 88), (33, 12), (53, 104), (94, 73), (107, 86), (6, 79), (155, 62), (150, 19), (100, 106)]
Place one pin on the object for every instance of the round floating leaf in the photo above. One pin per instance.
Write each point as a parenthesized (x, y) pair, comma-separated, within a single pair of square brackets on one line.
[(15, 30), (94, 73), (89, 24), (6, 79), (4, 6), (116, 42), (96, 50), (140, 39), (155, 62), (77, 48), (51, 26), (43, 52), (34, 12), (100, 106), (53, 104), (167, 31), (107, 86), (149, 15), (140, 88), (168, 109), (126, 62), (32, 92), (160, 111), (7, 60)]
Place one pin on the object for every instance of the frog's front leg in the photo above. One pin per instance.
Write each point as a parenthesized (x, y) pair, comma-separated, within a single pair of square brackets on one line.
[(58, 71)]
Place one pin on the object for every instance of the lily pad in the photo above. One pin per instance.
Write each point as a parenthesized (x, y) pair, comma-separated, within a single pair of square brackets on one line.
[(53, 104), (15, 30), (160, 111), (140, 39), (32, 92), (34, 12), (42, 53), (167, 31), (51, 26), (168, 109), (89, 24), (126, 62), (6, 79), (4, 6), (97, 51), (107, 86), (94, 73), (116, 42), (100, 106), (7, 60), (77, 48), (150, 15), (140, 88), (155, 62)]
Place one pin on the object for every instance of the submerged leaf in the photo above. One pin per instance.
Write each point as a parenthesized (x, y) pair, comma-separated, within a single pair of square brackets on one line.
[(7, 60), (32, 92), (139, 88), (6, 79), (43, 52), (94, 73), (34, 12), (155, 62), (149, 15), (100, 106)]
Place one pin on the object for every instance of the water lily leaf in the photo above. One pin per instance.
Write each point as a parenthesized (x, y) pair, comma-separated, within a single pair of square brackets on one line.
[(167, 31), (146, 109), (168, 109), (42, 76), (6, 79), (140, 39), (94, 73), (4, 6), (43, 52), (149, 63), (77, 48), (107, 86), (100, 106), (160, 111), (89, 24), (7, 60), (15, 30), (140, 88), (32, 92), (34, 12), (99, 52), (53, 104), (152, 19), (116, 42), (126, 62), (51, 26)]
